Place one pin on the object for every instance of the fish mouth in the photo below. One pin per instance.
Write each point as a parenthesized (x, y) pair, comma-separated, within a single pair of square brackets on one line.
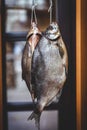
[(53, 36)]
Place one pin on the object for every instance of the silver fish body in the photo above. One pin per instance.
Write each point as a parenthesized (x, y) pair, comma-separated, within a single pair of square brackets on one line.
[(49, 69), (32, 40)]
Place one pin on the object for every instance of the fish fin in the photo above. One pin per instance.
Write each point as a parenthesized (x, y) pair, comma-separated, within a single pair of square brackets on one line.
[(66, 71), (50, 102), (58, 95), (56, 98), (37, 119)]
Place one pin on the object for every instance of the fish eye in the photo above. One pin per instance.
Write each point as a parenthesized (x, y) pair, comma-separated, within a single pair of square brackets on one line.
[(55, 27), (51, 27)]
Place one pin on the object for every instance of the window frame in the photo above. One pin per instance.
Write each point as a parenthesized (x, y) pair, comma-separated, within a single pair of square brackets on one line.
[(2, 83)]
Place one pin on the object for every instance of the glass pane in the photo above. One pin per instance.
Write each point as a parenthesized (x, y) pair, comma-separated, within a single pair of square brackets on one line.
[(16, 20), (18, 121), (41, 4), (18, 14), (16, 87)]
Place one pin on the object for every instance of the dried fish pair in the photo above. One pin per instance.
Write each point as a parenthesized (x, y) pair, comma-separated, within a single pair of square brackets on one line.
[(44, 66)]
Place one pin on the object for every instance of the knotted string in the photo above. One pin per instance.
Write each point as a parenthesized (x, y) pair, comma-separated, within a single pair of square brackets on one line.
[(33, 13), (50, 10)]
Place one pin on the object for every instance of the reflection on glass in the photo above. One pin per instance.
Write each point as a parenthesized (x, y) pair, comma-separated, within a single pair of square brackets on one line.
[(18, 14), (16, 20), (16, 87), (18, 121), (41, 4)]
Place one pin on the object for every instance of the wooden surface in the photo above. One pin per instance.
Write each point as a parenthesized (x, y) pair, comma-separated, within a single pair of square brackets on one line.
[(78, 63), (81, 64)]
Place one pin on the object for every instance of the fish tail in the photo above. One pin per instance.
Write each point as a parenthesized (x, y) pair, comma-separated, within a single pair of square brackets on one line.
[(37, 119)]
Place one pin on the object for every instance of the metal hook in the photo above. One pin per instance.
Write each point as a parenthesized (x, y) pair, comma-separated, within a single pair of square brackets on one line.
[(33, 14), (50, 10)]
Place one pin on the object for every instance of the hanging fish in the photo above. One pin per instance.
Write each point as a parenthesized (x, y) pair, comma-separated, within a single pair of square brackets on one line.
[(33, 38), (49, 69), (44, 66)]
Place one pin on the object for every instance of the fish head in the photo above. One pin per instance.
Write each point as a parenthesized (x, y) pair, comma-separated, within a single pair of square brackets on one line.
[(52, 32)]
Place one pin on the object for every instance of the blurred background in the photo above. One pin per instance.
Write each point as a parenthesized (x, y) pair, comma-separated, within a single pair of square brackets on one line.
[(72, 113), (18, 18)]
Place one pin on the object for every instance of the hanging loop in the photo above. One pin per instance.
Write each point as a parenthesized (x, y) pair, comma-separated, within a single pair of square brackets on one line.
[(50, 10), (33, 14)]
